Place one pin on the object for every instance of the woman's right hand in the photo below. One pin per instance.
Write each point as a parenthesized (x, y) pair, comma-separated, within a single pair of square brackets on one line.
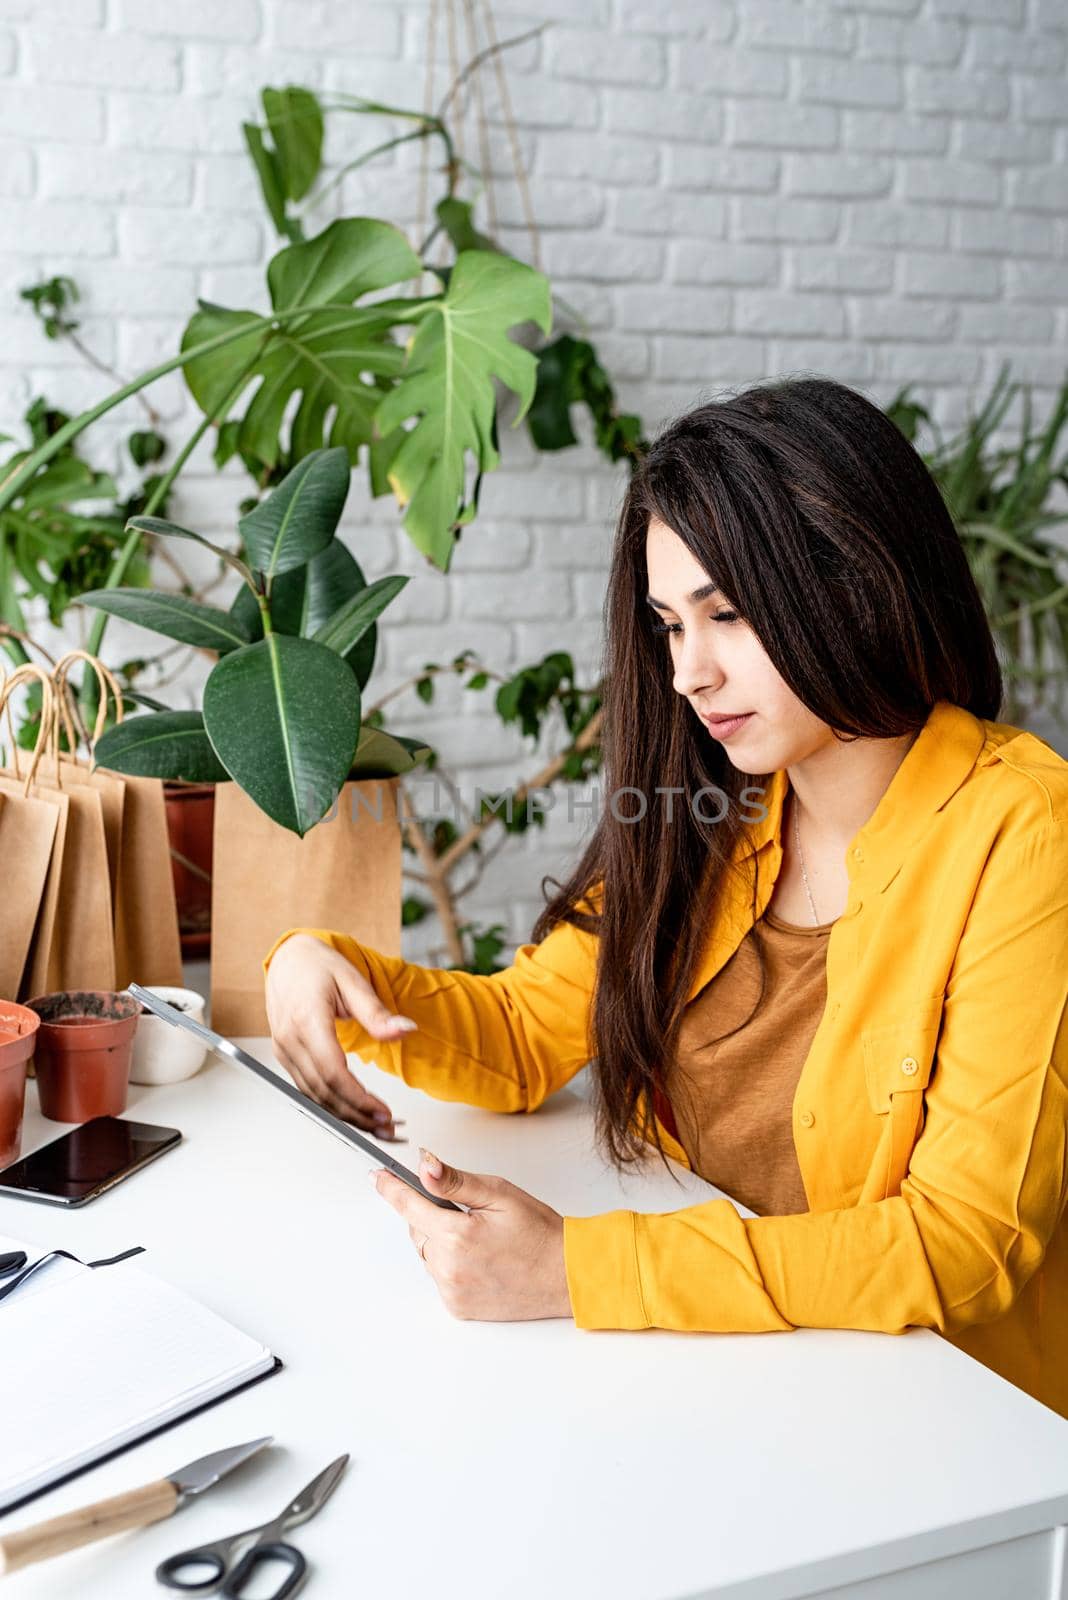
[(309, 987)]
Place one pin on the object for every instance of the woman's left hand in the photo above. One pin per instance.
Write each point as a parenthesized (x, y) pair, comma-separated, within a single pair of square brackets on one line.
[(501, 1261)]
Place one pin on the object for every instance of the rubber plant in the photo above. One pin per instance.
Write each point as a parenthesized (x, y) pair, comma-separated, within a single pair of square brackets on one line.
[(281, 706)]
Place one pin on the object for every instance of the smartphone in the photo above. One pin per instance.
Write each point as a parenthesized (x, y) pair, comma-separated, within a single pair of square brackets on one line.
[(83, 1163)]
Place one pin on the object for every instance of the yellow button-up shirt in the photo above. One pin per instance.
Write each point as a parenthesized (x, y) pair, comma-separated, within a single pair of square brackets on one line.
[(931, 1114)]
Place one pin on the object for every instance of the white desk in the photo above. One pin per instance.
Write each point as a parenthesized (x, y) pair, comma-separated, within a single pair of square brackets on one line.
[(517, 1460)]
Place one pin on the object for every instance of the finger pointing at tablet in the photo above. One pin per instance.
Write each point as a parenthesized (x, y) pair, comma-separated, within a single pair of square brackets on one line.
[(309, 988)]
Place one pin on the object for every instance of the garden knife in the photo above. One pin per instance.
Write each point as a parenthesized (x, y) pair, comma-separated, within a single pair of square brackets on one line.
[(134, 1509)]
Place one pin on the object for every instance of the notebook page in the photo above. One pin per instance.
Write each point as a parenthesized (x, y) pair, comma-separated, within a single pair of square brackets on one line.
[(101, 1359)]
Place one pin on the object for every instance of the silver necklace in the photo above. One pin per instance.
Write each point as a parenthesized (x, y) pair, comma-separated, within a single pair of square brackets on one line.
[(801, 858)]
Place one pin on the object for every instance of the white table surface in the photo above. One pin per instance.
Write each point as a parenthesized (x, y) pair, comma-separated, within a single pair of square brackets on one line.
[(533, 1459)]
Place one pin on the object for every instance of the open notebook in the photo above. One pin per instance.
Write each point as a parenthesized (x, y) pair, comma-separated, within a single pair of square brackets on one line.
[(96, 1358)]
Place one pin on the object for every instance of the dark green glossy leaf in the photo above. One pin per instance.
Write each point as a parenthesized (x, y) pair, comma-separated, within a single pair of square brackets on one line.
[(386, 755), (166, 744), (284, 718), (352, 619), (297, 520), (174, 615)]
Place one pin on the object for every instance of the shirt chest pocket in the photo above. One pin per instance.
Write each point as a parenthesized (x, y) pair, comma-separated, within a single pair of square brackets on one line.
[(899, 1058)]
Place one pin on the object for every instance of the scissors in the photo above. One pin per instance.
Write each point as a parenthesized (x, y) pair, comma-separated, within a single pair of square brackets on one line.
[(230, 1578)]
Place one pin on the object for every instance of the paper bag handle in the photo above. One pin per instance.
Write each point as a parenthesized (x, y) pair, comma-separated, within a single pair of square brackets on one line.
[(65, 706), (48, 716)]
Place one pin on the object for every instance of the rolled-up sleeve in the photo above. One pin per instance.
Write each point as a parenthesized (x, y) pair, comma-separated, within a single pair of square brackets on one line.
[(987, 1180), (503, 1040)]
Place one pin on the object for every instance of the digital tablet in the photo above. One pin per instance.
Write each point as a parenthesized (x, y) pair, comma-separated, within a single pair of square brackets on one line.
[(310, 1108)]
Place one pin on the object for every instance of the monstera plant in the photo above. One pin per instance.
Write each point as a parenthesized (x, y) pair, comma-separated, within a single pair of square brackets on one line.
[(281, 707)]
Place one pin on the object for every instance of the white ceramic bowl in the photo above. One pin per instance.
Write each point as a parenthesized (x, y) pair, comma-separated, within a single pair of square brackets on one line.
[(163, 1052)]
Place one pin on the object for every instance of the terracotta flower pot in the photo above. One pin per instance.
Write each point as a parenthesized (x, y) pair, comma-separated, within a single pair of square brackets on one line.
[(82, 1052), (18, 1027), (190, 826)]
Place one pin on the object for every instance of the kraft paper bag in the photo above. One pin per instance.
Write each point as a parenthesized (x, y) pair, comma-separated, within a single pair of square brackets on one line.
[(345, 874), (147, 945), (145, 914), (27, 836)]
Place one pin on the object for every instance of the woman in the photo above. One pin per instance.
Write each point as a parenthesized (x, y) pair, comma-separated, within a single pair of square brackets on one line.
[(819, 954)]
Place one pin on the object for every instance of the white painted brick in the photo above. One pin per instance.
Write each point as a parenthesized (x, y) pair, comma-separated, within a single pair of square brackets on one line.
[(1010, 11), (709, 360), (73, 13), (624, 359), (942, 276), (756, 311), (39, 112), (985, 233), (855, 271), (723, 264), (1037, 99), (712, 19), (603, 260), (487, 597), (1036, 280), (67, 173), (933, 44), (545, 103), (161, 122), (661, 212), (608, 161), (983, 94), (897, 226), (405, 650), (75, 230), (116, 287), (498, 546), (320, 25), (695, 166), (782, 127), (804, 220), (919, 364), (660, 310), (1042, 189), (559, 204), (512, 496), (193, 19), (1007, 49), (111, 60), (674, 116), (1007, 325), (715, 70), (1049, 15), (895, 132), (587, 548), (584, 53), (795, 25), (16, 171), (836, 177), (1004, 143), (853, 363), (380, 78), (581, 309), (953, 181), (897, 319), (827, 81), (522, 55), (154, 233), (227, 183), (233, 70), (23, 341), (8, 52)]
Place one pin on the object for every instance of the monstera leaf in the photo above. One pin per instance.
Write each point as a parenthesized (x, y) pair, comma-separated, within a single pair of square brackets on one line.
[(330, 354), (460, 345)]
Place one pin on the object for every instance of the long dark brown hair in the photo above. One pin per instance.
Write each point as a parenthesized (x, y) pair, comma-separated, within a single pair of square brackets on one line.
[(815, 517)]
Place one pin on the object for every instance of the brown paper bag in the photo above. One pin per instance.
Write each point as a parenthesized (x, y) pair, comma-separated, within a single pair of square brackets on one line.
[(27, 837), (344, 874), (147, 947), (14, 785)]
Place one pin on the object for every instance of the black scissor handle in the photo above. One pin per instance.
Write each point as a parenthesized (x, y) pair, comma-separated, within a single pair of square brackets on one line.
[(169, 1571), (272, 1550)]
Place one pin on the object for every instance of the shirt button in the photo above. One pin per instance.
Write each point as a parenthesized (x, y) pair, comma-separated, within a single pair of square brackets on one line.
[(910, 1066), (858, 854), (806, 1119), (857, 904)]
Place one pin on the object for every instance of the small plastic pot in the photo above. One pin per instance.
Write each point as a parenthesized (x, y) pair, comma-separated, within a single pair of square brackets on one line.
[(18, 1027), (82, 1052), (163, 1052)]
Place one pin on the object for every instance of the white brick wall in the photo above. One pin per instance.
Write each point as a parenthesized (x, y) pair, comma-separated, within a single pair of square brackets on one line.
[(728, 189)]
